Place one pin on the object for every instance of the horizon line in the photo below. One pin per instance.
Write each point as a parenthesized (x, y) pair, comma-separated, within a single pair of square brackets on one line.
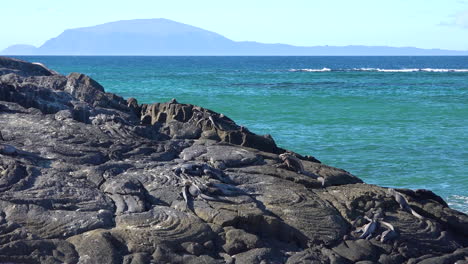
[(129, 55), (292, 45)]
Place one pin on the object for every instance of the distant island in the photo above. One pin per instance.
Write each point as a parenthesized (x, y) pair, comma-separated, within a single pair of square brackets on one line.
[(165, 37)]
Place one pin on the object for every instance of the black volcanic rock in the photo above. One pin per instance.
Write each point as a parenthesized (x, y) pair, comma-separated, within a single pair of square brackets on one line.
[(87, 177), (19, 67)]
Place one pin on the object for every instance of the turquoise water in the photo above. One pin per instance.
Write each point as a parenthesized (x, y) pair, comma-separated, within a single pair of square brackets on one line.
[(392, 121)]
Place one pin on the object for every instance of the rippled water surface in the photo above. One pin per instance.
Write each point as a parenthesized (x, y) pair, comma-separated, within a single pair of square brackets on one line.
[(393, 121)]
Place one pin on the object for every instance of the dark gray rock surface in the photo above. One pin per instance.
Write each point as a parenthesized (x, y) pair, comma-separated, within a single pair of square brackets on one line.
[(88, 177)]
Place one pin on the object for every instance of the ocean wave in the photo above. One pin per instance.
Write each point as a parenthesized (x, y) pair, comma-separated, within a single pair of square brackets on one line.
[(444, 70), (311, 70), (421, 70), (458, 202), (380, 70), (397, 70)]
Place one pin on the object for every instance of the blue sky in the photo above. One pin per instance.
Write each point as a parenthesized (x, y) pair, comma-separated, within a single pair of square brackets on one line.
[(418, 23)]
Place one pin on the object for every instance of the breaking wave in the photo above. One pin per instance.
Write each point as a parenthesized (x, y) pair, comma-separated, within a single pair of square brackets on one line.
[(311, 70), (379, 70), (458, 202)]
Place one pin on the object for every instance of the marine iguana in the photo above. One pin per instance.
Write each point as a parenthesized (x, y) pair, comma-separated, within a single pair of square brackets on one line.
[(388, 234), (295, 164), (403, 203), (369, 229)]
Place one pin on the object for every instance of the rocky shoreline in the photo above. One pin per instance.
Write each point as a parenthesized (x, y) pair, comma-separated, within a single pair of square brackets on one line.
[(88, 177)]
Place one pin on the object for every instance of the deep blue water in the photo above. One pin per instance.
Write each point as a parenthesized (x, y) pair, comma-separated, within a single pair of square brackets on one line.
[(393, 121)]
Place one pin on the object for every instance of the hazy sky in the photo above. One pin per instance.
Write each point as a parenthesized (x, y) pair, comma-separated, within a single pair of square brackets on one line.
[(418, 23)]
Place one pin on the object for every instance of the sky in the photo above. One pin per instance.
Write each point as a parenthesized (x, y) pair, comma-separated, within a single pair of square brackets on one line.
[(400, 23)]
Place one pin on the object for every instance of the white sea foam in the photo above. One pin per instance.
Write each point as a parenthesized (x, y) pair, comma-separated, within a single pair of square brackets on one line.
[(410, 70), (397, 70), (311, 70), (381, 70), (458, 202), (444, 70)]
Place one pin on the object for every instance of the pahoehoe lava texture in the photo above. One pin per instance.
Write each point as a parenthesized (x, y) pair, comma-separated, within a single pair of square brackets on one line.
[(88, 177)]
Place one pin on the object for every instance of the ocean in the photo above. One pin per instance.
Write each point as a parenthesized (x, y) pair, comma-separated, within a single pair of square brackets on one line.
[(393, 121)]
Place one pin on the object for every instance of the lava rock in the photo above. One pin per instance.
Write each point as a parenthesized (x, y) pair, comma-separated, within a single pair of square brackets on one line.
[(89, 177)]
